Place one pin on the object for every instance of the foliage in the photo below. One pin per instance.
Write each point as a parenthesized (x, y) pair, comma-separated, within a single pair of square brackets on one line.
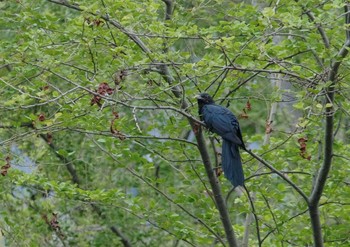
[(98, 108)]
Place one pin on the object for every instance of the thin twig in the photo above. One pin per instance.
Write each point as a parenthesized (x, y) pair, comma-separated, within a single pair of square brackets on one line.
[(134, 173), (280, 174)]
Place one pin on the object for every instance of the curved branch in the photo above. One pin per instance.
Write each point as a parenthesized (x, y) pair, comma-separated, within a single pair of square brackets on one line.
[(178, 205), (251, 201), (328, 139), (271, 212), (169, 9), (280, 174), (106, 18), (125, 241), (319, 28), (195, 124), (268, 173), (282, 223), (76, 180), (68, 163), (134, 173), (328, 149), (269, 71)]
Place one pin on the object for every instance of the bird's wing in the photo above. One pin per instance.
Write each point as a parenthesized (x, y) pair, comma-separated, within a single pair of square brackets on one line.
[(222, 122)]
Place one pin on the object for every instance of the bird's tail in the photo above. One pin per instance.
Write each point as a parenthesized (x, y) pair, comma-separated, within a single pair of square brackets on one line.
[(232, 163)]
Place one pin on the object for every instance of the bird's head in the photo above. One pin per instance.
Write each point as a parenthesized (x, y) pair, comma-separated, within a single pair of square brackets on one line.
[(204, 98)]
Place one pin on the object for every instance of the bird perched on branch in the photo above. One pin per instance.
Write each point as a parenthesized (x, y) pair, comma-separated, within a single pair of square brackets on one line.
[(221, 121)]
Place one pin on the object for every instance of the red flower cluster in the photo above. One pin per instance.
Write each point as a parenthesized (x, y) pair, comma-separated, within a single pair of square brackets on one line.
[(302, 142), (53, 223), (103, 89), (94, 22), (41, 117), (248, 107), (6, 167)]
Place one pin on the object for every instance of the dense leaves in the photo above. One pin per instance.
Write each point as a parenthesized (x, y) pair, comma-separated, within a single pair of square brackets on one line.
[(99, 121)]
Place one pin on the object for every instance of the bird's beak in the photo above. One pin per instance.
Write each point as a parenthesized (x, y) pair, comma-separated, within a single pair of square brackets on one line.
[(197, 96)]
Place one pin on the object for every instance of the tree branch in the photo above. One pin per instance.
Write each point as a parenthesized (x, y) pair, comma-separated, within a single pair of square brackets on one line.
[(328, 149), (280, 174), (319, 28), (257, 70), (68, 163), (164, 71), (76, 180), (251, 199), (134, 173), (267, 136), (125, 241), (169, 9), (106, 18), (328, 139), (215, 185)]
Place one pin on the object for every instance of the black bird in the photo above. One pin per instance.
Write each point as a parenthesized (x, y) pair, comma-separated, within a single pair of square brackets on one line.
[(221, 121)]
